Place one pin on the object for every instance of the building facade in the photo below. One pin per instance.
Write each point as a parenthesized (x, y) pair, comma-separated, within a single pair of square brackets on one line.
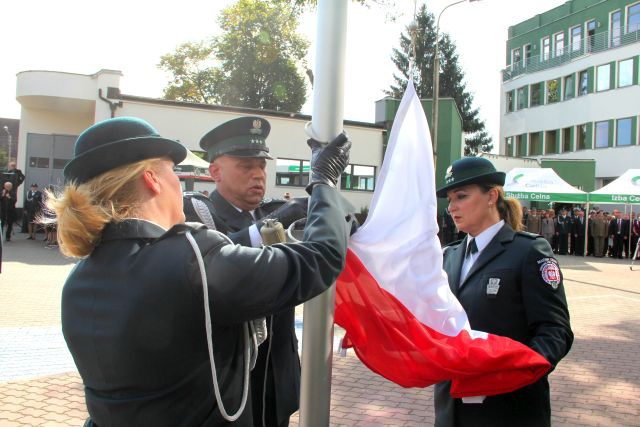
[(571, 87)]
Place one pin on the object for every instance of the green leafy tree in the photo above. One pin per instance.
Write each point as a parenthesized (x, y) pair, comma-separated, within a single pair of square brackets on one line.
[(452, 82), (256, 62)]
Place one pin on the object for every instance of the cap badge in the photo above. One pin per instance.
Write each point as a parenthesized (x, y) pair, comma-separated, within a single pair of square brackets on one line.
[(257, 127), (449, 176)]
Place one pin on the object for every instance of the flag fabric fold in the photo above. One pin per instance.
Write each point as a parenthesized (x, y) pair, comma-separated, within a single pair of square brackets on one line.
[(393, 298)]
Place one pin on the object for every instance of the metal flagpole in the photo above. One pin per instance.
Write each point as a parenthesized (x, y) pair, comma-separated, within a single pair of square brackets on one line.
[(326, 124)]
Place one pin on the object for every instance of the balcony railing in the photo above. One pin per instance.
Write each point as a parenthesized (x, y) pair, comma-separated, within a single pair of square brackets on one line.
[(597, 43)]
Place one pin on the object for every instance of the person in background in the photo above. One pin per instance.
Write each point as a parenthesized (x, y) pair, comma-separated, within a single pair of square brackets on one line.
[(547, 227), (534, 222), (286, 196), (14, 176), (618, 233), (578, 228), (635, 236), (563, 230), (32, 208), (598, 229), (157, 313), (7, 210), (510, 284)]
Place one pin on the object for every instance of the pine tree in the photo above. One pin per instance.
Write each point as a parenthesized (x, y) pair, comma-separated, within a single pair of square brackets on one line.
[(451, 78)]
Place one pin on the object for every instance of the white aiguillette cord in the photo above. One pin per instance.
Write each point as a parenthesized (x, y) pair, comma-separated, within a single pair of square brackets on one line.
[(207, 322)]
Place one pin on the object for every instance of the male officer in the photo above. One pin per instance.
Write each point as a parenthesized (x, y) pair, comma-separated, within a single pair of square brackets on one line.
[(563, 230), (238, 155)]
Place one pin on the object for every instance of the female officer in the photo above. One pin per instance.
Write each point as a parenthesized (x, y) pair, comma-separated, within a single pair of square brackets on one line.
[(156, 313), (510, 284)]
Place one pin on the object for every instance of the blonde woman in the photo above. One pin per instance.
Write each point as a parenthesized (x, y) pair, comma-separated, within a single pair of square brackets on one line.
[(156, 314), (510, 284)]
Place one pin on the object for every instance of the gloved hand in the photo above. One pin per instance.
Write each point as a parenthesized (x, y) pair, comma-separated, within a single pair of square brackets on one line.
[(289, 212), (328, 163)]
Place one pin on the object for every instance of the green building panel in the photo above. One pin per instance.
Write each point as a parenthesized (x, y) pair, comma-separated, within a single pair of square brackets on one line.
[(562, 19), (612, 128), (579, 173), (635, 70), (589, 137)]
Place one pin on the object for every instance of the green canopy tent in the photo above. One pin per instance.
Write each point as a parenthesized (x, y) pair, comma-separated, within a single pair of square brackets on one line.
[(623, 190), (541, 185)]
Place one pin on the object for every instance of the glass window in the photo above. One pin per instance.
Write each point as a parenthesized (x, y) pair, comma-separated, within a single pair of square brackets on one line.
[(527, 54), (602, 134), (546, 48), (604, 77), (357, 177), (566, 140), (550, 142), (633, 18), (591, 34), (536, 95), (616, 28), (292, 172), (625, 73), (558, 44), (534, 144), (510, 102), (623, 132), (515, 57), (581, 141), (553, 91), (583, 87), (519, 149), (521, 96), (576, 38), (39, 162), (569, 87), (60, 163)]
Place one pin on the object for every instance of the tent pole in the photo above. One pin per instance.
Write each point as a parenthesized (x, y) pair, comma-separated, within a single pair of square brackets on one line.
[(586, 231)]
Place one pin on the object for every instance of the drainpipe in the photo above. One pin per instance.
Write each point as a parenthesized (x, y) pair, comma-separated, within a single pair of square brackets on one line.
[(112, 105)]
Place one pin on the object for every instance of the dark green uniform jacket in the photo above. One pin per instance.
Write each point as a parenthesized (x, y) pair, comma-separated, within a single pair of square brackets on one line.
[(529, 306), (133, 317)]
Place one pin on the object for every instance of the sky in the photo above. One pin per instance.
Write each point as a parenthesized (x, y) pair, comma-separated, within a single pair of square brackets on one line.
[(79, 36)]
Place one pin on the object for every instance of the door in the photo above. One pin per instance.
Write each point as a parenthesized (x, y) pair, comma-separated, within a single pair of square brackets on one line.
[(46, 157)]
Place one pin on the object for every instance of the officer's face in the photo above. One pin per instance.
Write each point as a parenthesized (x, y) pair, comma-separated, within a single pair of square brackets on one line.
[(472, 210), (240, 180)]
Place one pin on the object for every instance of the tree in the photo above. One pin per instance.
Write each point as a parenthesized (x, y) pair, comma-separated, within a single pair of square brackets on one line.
[(257, 62), (451, 78)]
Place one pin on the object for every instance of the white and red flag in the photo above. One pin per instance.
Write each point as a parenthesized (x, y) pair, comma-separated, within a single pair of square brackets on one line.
[(393, 298)]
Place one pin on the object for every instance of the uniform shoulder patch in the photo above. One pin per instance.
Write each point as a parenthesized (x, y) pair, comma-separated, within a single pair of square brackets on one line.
[(457, 242), (531, 236), (550, 272)]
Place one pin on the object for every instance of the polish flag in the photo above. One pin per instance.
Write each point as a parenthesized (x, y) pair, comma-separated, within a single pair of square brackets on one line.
[(393, 298)]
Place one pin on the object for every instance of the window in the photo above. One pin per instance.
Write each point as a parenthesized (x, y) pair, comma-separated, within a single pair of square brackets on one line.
[(576, 38), (60, 163), (534, 144), (591, 34), (550, 139), (603, 81), (39, 162), (515, 58), (527, 54), (615, 29), (569, 87), (581, 137), (566, 140), (625, 73), (602, 134), (558, 44), (356, 177), (536, 95), (583, 87), (508, 143), (633, 18), (292, 172), (519, 149), (553, 91), (510, 103), (623, 132), (521, 97), (546, 49)]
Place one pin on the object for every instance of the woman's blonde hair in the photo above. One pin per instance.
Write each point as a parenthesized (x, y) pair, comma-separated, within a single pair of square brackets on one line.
[(508, 208), (83, 210)]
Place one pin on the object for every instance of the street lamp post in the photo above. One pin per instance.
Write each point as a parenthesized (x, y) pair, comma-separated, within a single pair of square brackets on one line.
[(436, 85), (6, 129)]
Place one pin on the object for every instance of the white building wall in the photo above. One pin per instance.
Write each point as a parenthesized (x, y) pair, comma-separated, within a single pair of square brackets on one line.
[(72, 105)]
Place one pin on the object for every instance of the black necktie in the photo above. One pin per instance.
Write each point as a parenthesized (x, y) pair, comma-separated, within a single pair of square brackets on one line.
[(472, 248)]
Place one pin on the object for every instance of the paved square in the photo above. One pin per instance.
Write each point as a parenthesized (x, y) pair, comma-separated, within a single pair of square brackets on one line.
[(597, 384)]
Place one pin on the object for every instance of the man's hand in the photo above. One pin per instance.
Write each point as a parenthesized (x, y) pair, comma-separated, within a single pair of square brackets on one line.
[(289, 212), (329, 162)]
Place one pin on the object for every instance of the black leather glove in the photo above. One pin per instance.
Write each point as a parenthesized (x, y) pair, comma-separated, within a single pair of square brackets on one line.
[(329, 162), (289, 212)]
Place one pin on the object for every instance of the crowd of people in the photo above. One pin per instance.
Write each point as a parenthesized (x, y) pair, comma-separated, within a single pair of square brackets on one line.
[(613, 235)]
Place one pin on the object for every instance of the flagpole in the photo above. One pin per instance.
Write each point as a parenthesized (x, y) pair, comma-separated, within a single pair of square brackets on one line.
[(326, 124)]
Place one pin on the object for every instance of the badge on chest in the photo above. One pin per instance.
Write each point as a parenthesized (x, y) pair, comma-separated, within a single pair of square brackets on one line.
[(493, 286)]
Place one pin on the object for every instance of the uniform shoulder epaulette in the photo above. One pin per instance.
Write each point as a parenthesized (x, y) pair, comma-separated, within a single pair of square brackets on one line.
[(194, 195), (531, 236), (457, 242)]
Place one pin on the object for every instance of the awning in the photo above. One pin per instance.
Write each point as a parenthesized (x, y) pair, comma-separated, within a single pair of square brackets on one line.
[(541, 185)]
